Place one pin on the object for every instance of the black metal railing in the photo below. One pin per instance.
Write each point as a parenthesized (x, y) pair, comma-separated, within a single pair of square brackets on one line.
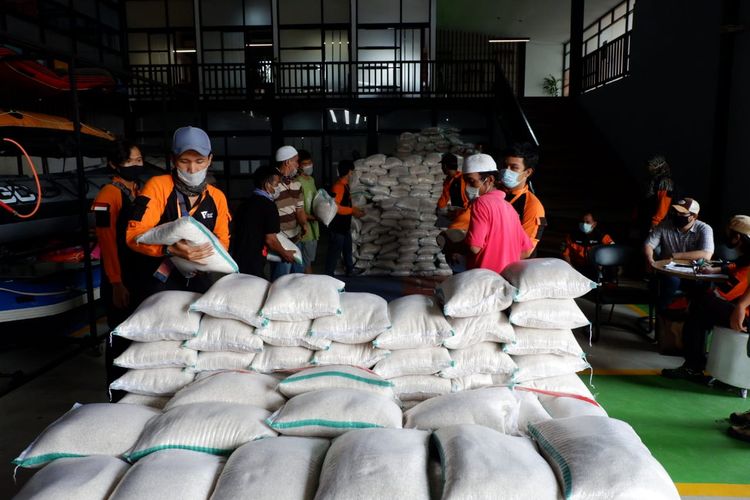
[(609, 62), (329, 79)]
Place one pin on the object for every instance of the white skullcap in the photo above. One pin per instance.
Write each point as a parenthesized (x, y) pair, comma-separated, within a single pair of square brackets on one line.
[(285, 153), (479, 163)]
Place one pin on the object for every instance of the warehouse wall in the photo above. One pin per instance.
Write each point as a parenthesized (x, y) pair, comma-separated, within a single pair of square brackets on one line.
[(667, 104), (542, 59)]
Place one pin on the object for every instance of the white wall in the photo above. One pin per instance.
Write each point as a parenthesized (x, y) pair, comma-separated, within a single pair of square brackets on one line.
[(542, 59)]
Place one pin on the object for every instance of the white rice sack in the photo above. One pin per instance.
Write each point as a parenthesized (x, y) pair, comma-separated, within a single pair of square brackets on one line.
[(388, 181), (433, 159), (553, 314), (478, 462), (332, 412), (162, 316), (543, 341), (534, 366), (195, 234), (546, 279), (568, 406), (416, 322), (215, 428), (485, 357), (474, 292), (364, 316), (231, 387), (420, 387), (158, 402), (569, 383), (286, 244), (324, 207), (235, 296), (530, 411), (379, 190), (212, 361), (92, 429), (225, 335), (587, 454), (281, 358), (75, 478), (493, 407), (490, 327), (375, 160), (297, 297), (159, 354), (363, 355), (368, 179), (335, 377), (410, 204), (392, 162), (153, 381), (183, 474), (291, 334), (376, 464), (424, 361), (469, 382), (272, 469)]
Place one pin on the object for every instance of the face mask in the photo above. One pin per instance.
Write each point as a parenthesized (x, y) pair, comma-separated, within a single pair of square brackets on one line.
[(131, 173), (308, 170), (472, 193), (509, 178), (276, 191), (586, 228), (680, 221), (194, 179)]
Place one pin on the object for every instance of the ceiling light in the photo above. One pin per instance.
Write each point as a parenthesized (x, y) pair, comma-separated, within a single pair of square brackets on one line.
[(346, 116), (258, 45), (185, 51), (509, 40), (333, 116)]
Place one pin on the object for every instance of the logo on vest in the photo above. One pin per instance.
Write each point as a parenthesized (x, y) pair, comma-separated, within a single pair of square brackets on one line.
[(207, 215)]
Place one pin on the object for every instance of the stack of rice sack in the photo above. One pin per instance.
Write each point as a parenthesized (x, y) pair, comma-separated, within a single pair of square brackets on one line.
[(543, 315), (397, 235), (340, 434), (433, 139)]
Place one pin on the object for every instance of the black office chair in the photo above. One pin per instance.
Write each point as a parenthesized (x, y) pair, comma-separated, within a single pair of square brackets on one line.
[(609, 260)]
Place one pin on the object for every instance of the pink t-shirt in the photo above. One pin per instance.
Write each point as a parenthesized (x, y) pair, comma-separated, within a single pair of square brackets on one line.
[(495, 228)]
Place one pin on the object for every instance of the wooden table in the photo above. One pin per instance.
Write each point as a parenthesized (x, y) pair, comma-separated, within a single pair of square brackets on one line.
[(660, 267)]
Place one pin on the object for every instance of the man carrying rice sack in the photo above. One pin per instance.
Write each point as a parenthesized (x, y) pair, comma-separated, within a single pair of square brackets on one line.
[(341, 226), (256, 225), (184, 192), (495, 237)]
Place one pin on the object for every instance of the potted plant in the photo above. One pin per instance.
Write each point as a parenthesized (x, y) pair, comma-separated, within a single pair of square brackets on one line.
[(551, 85)]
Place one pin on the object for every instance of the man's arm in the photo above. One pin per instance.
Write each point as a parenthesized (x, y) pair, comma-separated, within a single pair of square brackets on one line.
[(648, 250), (273, 244), (694, 255), (737, 319)]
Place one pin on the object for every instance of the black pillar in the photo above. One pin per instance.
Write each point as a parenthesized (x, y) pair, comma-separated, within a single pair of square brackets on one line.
[(576, 47), (730, 20)]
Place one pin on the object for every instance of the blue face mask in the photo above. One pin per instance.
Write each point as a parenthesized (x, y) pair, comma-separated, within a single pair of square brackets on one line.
[(586, 228), (509, 178)]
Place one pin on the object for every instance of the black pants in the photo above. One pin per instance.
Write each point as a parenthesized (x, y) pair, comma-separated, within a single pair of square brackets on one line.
[(705, 313), (339, 243)]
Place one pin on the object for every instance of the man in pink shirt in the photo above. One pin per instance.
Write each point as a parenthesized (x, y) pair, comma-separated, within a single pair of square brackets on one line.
[(495, 237)]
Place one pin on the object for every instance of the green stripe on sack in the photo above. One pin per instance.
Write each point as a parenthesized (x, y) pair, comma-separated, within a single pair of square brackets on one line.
[(564, 469), (315, 422), (380, 383), (133, 457), (43, 459)]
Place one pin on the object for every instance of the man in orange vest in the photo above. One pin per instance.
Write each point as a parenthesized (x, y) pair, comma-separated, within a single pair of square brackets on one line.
[(521, 161)]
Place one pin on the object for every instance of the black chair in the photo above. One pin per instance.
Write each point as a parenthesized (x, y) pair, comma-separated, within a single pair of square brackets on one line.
[(609, 261)]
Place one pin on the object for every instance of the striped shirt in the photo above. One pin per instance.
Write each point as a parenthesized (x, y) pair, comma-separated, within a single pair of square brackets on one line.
[(671, 240), (288, 202)]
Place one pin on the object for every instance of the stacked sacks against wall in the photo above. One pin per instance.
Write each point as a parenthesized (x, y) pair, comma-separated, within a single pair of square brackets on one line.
[(397, 235), (433, 139)]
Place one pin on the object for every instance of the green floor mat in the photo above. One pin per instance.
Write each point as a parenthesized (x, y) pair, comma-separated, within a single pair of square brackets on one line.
[(683, 425)]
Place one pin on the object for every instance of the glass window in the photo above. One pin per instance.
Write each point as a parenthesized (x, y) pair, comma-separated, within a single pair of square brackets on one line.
[(307, 120), (299, 38), (180, 13), (146, 14), (109, 16), (301, 56), (223, 13), (138, 41), (377, 38), (378, 11), (336, 11), (257, 12), (299, 12), (415, 11), (234, 40), (211, 40), (249, 146), (159, 42), (139, 58), (238, 120)]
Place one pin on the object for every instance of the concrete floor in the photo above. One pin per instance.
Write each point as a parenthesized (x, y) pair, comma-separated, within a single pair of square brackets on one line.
[(27, 410)]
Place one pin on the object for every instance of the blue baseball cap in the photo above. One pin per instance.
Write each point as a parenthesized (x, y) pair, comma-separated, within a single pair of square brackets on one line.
[(191, 138)]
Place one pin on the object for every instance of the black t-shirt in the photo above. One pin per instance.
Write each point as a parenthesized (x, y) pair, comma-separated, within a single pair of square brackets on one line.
[(255, 218)]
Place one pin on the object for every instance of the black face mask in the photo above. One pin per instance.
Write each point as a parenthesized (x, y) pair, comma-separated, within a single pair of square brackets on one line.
[(131, 173), (680, 221)]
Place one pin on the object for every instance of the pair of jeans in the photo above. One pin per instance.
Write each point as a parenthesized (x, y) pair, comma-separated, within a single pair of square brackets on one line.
[(339, 243), (279, 269)]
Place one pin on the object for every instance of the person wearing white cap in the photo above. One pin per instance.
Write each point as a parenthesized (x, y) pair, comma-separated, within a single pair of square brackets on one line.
[(721, 306), (183, 192), (291, 207), (495, 237), (681, 236)]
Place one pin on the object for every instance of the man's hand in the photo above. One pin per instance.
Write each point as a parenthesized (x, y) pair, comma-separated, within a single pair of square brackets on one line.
[(737, 319), (189, 252), (287, 256), (303, 230), (357, 212), (120, 296), (311, 218)]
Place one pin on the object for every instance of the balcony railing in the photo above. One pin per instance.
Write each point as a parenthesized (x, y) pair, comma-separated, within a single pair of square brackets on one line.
[(330, 79), (610, 62)]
